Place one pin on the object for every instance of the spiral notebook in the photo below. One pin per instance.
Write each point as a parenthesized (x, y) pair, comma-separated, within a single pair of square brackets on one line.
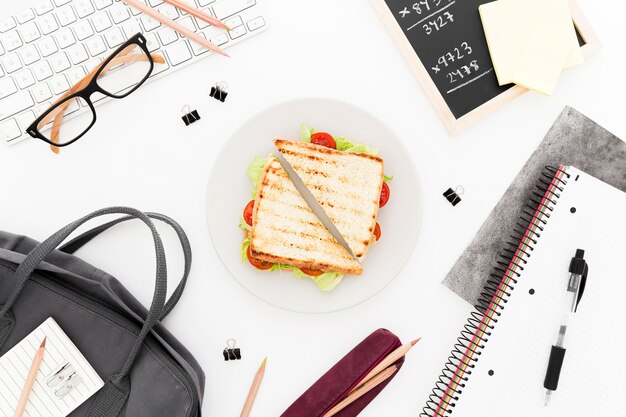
[(498, 365)]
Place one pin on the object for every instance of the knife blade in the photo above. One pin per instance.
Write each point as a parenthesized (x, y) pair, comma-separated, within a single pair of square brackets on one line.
[(309, 198)]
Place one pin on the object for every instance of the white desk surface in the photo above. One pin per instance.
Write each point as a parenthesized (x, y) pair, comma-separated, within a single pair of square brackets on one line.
[(140, 154)]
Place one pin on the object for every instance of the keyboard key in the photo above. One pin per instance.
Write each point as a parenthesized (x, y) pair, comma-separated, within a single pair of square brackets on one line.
[(43, 7), (7, 87), (114, 37), (167, 36), (101, 4), (92, 63), (66, 15), (96, 45), (197, 48), (61, 2), (29, 54), (77, 53), (83, 8), (178, 52), (9, 130), (1, 72), (25, 16), (119, 13), (11, 40), (155, 3), (130, 27), (203, 3), (149, 23), (1, 50), (29, 32), (47, 46), (101, 21), (237, 32), (47, 24), (65, 38), (227, 8), (11, 63), (75, 74), (168, 11), (256, 23), (42, 92), (151, 42), (42, 70), (15, 103), (83, 30), (59, 84), (188, 23), (25, 119), (233, 22), (25, 78), (60, 62), (7, 24), (42, 108), (219, 39)]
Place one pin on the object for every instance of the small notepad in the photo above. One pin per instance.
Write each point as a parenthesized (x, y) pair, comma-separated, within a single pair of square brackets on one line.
[(43, 401)]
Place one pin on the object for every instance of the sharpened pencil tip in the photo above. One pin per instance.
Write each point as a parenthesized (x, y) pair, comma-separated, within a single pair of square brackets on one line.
[(264, 362), (228, 28), (43, 344), (413, 343)]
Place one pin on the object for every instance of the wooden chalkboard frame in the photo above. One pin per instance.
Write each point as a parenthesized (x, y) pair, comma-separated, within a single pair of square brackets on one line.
[(452, 124)]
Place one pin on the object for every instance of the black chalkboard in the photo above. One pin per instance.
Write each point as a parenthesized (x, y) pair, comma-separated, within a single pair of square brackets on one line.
[(448, 37)]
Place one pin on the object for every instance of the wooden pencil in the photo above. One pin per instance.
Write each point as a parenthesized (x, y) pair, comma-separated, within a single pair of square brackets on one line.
[(176, 26), (254, 389), (30, 380), (362, 390), (198, 14), (390, 359)]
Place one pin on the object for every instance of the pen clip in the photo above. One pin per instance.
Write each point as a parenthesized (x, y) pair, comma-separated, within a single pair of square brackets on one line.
[(583, 283)]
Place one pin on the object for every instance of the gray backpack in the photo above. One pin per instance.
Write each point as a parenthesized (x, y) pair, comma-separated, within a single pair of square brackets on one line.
[(147, 372)]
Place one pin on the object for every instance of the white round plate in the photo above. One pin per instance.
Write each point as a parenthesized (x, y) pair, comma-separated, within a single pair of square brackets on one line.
[(229, 191)]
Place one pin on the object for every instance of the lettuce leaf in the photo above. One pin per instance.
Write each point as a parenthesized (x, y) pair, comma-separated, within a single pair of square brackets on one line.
[(345, 145), (254, 172), (244, 249), (305, 133), (386, 178)]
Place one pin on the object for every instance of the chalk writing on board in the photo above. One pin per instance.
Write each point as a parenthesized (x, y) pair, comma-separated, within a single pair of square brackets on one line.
[(449, 40)]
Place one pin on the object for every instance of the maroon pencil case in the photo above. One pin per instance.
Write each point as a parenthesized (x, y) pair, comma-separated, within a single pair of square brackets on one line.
[(344, 376)]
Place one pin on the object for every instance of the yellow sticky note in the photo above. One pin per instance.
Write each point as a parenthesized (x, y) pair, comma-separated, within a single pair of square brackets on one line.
[(508, 25), (548, 49)]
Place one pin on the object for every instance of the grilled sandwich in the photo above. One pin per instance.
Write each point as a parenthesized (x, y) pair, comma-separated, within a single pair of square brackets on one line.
[(346, 185), (285, 230)]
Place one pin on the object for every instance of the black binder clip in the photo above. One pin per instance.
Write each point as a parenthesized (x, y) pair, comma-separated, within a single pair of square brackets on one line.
[(189, 116), (231, 353), (454, 196), (219, 91)]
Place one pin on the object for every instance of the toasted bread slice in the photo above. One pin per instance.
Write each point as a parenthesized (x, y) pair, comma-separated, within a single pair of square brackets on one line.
[(347, 185), (285, 230)]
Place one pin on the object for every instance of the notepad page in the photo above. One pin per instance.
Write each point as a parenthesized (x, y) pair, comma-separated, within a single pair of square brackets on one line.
[(592, 381), (43, 402)]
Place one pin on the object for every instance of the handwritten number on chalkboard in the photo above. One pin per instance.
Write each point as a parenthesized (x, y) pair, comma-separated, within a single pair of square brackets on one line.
[(404, 12), (438, 22), (463, 72), (468, 48)]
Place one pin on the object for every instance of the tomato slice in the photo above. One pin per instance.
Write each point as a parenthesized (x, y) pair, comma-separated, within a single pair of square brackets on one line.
[(324, 139), (377, 232), (247, 212), (312, 272), (384, 195), (257, 263)]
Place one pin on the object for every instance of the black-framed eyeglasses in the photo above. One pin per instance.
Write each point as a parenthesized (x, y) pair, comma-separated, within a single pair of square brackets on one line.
[(117, 76)]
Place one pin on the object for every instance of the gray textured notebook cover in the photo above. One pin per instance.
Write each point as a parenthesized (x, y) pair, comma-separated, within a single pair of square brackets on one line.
[(575, 140)]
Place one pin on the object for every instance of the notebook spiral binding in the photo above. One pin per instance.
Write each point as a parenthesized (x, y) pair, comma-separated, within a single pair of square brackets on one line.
[(535, 215)]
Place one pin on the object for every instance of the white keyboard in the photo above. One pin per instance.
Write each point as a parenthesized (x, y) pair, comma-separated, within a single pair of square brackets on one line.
[(47, 49)]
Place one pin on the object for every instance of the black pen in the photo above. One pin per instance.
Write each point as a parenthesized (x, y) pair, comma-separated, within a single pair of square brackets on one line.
[(577, 271)]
